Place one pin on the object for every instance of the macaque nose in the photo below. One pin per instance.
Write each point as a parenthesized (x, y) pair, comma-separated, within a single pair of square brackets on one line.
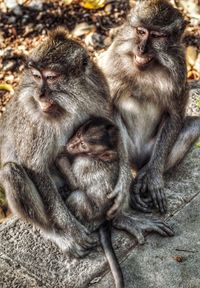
[(42, 92), (73, 145), (143, 47)]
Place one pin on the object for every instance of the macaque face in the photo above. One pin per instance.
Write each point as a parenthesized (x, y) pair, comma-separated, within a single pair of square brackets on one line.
[(97, 138), (58, 75), (45, 81), (147, 44), (85, 143)]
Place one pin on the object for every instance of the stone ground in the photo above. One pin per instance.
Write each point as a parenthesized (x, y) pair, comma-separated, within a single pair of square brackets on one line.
[(29, 261)]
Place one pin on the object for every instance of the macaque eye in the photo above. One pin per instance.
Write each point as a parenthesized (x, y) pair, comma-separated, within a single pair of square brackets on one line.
[(83, 145), (36, 74), (52, 78), (85, 61), (140, 31)]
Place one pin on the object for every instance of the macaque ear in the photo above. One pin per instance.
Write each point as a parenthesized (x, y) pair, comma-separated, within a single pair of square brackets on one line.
[(108, 156)]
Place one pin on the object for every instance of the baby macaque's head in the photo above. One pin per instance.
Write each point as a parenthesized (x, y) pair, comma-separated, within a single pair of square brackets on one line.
[(97, 138)]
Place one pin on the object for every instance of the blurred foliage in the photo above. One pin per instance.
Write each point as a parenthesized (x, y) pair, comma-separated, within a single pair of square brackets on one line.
[(88, 4)]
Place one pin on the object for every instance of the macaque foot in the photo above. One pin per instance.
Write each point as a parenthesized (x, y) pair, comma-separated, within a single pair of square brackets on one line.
[(138, 226), (76, 245), (81, 242)]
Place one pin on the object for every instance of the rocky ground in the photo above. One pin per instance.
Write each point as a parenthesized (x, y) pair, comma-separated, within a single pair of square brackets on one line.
[(27, 260), (25, 23)]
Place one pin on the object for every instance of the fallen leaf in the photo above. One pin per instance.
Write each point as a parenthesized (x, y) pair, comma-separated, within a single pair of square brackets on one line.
[(6, 87), (93, 4), (191, 55)]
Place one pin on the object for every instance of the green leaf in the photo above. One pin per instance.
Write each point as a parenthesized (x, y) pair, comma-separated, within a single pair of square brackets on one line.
[(198, 145)]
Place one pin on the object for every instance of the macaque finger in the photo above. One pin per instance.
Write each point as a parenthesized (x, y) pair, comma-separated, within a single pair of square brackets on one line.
[(112, 195), (164, 226), (137, 206), (113, 211), (93, 241), (143, 186), (139, 201), (167, 229), (137, 233), (161, 197), (154, 198), (76, 251), (148, 201)]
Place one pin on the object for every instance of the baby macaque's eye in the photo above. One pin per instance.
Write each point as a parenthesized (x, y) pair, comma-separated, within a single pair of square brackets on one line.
[(83, 145)]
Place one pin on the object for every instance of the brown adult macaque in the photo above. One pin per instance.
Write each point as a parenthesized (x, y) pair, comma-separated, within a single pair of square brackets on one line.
[(93, 156), (60, 88), (146, 70)]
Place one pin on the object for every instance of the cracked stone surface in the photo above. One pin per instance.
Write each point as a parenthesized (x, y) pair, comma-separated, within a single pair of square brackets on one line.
[(28, 260)]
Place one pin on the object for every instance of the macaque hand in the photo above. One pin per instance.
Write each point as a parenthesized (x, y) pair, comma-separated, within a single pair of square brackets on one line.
[(119, 194), (152, 182), (79, 241)]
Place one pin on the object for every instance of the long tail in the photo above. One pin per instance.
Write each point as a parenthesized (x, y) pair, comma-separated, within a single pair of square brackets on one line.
[(105, 240)]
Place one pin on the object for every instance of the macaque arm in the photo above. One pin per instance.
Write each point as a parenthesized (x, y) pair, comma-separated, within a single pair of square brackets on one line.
[(167, 136), (64, 166), (122, 188), (150, 177)]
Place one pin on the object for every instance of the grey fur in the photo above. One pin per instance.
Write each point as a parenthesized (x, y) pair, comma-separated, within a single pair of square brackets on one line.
[(95, 180), (31, 140), (150, 102)]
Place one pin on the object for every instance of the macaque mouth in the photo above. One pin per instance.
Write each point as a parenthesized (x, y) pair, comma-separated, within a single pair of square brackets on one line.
[(142, 60), (47, 106)]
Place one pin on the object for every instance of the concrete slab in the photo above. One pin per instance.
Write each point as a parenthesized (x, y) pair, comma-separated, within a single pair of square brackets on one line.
[(167, 263), (27, 260)]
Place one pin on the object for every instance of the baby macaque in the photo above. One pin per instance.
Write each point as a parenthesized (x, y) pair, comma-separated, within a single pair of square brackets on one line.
[(92, 153), (92, 156)]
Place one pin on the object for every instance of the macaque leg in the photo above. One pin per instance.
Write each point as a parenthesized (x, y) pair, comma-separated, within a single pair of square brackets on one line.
[(23, 198), (47, 210), (187, 137), (138, 225), (80, 206)]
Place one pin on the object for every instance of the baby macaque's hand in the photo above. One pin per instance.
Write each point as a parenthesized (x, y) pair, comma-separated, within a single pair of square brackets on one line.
[(118, 196)]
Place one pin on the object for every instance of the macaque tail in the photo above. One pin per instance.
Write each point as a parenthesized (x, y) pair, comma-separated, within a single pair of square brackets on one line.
[(105, 240)]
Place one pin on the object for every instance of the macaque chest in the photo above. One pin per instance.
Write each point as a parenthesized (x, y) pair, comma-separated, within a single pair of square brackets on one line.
[(141, 119)]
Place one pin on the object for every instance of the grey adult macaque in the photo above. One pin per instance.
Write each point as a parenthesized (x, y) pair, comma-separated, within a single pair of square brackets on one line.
[(60, 88), (146, 71), (93, 155)]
